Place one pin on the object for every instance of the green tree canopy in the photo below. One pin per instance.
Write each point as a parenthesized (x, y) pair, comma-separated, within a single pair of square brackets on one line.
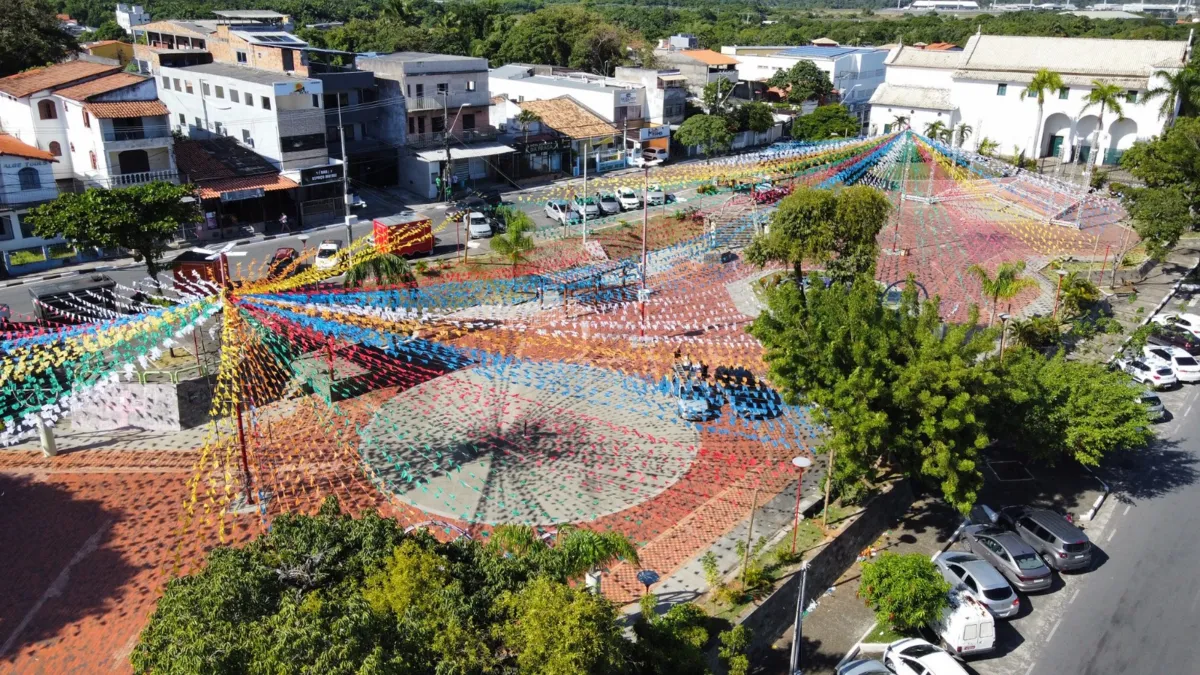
[(143, 218), (1160, 217), (906, 591), (30, 35), (385, 269), (109, 30), (708, 132), (1170, 167), (558, 630), (803, 82), (715, 96), (827, 121)]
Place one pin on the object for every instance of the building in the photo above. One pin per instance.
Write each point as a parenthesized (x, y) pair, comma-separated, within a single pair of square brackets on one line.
[(665, 89), (104, 127), (26, 180), (856, 72), (617, 101), (352, 103), (586, 137), (699, 66), (943, 6), (237, 187), (253, 38), (437, 114), (981, 86), (129, 16), (116, 51)]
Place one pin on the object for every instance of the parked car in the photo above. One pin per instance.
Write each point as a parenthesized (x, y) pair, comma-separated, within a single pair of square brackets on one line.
[(1174, 336), (692, 402), (469, 204), (356, 202), (863, 667), (628, 199), (1188, 322), (1062, 545), (1158, 376), (656, 196), (1010, 555), (558, 210), (979, 580), (589, 206), (654, 154), (1186, 368), (328, 254), (965, 626), (609, 203), (914, 656), (281, 261), (479, 226), (1154, 406)]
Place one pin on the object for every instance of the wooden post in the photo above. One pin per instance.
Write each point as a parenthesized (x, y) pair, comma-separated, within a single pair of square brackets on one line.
[(750, 532), (828, 482)]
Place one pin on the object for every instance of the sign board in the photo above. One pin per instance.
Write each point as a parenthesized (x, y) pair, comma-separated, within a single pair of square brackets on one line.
[(627, 97), (536, 147), (610, 165), (239, 195), (320, 174), (661, 131)]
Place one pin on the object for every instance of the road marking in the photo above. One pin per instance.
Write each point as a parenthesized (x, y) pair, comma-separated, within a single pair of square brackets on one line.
[(1126, 511), (1188, 411), (1050, 635), (1074, 594), (1031, 667), (1109, 536)]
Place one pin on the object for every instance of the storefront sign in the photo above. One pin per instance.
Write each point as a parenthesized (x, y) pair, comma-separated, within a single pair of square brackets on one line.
[(627, 97), (320, 174), (239, 195), (538, 147), (610, 165), (647, 133)]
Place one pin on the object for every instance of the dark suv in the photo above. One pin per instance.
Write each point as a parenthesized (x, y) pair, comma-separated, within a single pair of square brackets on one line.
[(1062, 545), (1173, 336)]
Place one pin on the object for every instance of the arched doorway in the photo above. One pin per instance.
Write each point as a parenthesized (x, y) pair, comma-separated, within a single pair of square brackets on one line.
[(1122, 133), (1085, 136), (133, 161), (1054, 135)]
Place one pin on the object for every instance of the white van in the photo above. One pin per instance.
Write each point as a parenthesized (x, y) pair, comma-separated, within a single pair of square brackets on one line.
[(966, 627)]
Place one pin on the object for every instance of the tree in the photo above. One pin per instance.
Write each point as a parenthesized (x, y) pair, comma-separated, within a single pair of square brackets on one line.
[(1170, 161), (1054, 409), (1043, 80), (906, 591), (735, 642), (708, 132), (899, 121), (109, 30), (31, 36), (1079, 294), (143, 218), (1108, 97), (526, 118), (576, 553), (557, 630), (987, 146), (715, 96), (674, 642), (1006, 285), (516, 241), (1037, 332), (935, 129), (961, 133), (1182, 88), (803, 82), (1160, 217), (827, 121), (838, 229), (759, 117), (385, 269), (600, 50)]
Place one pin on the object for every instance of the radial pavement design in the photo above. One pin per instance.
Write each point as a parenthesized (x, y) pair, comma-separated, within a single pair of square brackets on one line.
[(533, 443)]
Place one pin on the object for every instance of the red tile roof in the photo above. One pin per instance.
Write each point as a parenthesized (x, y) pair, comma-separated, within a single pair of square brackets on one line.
[(127, 109), (11, 145), (269, 182), (103, 85), (37, 79)]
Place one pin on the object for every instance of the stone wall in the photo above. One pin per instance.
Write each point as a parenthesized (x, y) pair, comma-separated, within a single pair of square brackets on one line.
[(775, 615)]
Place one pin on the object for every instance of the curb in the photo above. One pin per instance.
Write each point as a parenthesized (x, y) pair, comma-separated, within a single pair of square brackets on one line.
[(1150, 316), (1099, 500)]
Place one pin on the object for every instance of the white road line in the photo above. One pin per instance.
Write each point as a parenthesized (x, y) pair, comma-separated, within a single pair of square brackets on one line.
[(1188, 411), (1074, 594), (1126, 511), (1031, 667), (1108, 537), (1050, 635)]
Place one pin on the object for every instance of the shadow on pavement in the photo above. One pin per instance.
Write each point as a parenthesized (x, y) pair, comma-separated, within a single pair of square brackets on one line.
[(1156, 471)]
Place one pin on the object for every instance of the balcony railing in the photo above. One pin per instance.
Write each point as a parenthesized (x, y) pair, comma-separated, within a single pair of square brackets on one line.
[(137, 133), (128, 179), (485, 133), (450, 102)]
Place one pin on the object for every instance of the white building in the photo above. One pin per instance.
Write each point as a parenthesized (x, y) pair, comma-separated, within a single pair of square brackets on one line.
[(104, 127), (619, 102), (856, 72), (666, 92), (129, 16), (981, 86), (26, 180)]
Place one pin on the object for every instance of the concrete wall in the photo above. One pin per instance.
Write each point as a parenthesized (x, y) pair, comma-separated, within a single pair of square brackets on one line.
[(151, 406), (775, 615)]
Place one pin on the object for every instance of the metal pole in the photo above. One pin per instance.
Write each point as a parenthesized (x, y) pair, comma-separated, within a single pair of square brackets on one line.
[(584, 202), (796, 515), (798, 632), (1117, 258), (750, 531), (458, 235), (246, 481), (1100, 279), (446, 145), (645, 230), (345, 175)]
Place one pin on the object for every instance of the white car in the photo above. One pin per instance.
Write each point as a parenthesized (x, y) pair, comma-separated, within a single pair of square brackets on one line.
[(656, 196), (914, 656), (609, 204), (1188, 322), (560, 211), (628, 199), (1156, 375), (1186, 368), (478, 225), (655, 154), (328, 254), (356, 202)]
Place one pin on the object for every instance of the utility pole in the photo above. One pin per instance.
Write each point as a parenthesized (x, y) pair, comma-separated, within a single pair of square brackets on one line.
[(345, 175), (645, 228), (449, 170), (587, 144)]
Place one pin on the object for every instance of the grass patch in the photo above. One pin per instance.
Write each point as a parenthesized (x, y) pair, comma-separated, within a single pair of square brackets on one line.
[(26, 256), (883, 634), (808, 534), (59, 251)]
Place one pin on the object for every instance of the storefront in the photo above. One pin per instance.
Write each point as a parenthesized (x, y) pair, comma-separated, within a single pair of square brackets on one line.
[(469, 166), (232, 206), (321, 195), (541, 155)]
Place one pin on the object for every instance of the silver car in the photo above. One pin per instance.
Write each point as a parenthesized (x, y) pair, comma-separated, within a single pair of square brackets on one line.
[(609, 204), (1009, 554), (863, 667), (979, 580)]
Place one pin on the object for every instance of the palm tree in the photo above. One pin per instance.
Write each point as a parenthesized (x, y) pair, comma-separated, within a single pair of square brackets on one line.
[(526, 118), (947, 135), (516, 240), (935, 129), (1007, 283), (385, 269), (1107, 96), (519, 540), (899, 121), (576, 552), (962, 133), (1045, 79), (987, 146), (1182, 87), (403, 11), (1079, 294)]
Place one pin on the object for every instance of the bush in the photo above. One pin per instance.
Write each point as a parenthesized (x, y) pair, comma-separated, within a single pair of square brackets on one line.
[(1099, 179), (906, 591), (26, 256), (734, 643)]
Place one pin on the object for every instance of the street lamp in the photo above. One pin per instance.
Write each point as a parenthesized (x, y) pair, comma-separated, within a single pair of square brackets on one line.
[(645, 228), (801, 462), (798, 631), (1003, 332), (1058, 291)]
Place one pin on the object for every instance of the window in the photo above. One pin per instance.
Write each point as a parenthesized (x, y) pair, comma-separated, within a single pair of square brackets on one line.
[(166, 82), (971, 631), (199, 124), (470, 85), (412, 125), (182, 120), (442, 87), (178, 87), (266, 103), (970, 582), (187, 86), (438, 124), (249, 98), (217, 129), (220, 91), (87, 119), (47, 111), (241, 57), (420, 125), (6, 227), (29, 179), (92, 158), (316, 101), (204, 89), (246, 137), (1064, 92), (55, 149), (1131, 96), (408, 90), (420, 90), (1002, 89), (469, 121), (233, 96)]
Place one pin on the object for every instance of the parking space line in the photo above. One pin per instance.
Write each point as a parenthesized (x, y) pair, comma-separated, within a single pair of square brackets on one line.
[(1074, 594), (1188, 411), (1050, 635), (1108, 537), (1126, 511), (1031, 667)]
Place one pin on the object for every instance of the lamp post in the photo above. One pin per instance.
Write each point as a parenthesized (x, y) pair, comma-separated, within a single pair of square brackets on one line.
[(1003, 332), (800, 462), (1058, 291), (645, 229), (798, 630)]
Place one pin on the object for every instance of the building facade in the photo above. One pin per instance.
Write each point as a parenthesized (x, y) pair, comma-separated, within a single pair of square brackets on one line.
[(617, 101), (129, 16), (981, 87), (666, 92), (700, 66), (26, 180)]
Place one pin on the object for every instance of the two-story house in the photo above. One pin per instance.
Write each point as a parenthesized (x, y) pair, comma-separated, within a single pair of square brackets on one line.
[(701, 67), (26, 180)]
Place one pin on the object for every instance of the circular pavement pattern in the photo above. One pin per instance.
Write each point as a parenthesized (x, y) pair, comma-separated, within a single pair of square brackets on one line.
[(528, 442)]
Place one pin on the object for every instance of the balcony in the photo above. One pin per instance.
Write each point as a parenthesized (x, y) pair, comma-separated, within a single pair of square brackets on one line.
[(121, 134), (121, 180), (450, 102), (436, 138)]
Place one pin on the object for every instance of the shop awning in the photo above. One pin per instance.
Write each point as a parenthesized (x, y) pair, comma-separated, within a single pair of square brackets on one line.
[(243, 186), (480, 150), (672, 78)]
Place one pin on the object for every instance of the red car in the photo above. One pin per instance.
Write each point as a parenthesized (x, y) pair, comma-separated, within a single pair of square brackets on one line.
[(281, 261)]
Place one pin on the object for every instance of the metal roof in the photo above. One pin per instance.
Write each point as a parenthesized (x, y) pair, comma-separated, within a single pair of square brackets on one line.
[(812, 52), (255, 75), (248, 14)]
